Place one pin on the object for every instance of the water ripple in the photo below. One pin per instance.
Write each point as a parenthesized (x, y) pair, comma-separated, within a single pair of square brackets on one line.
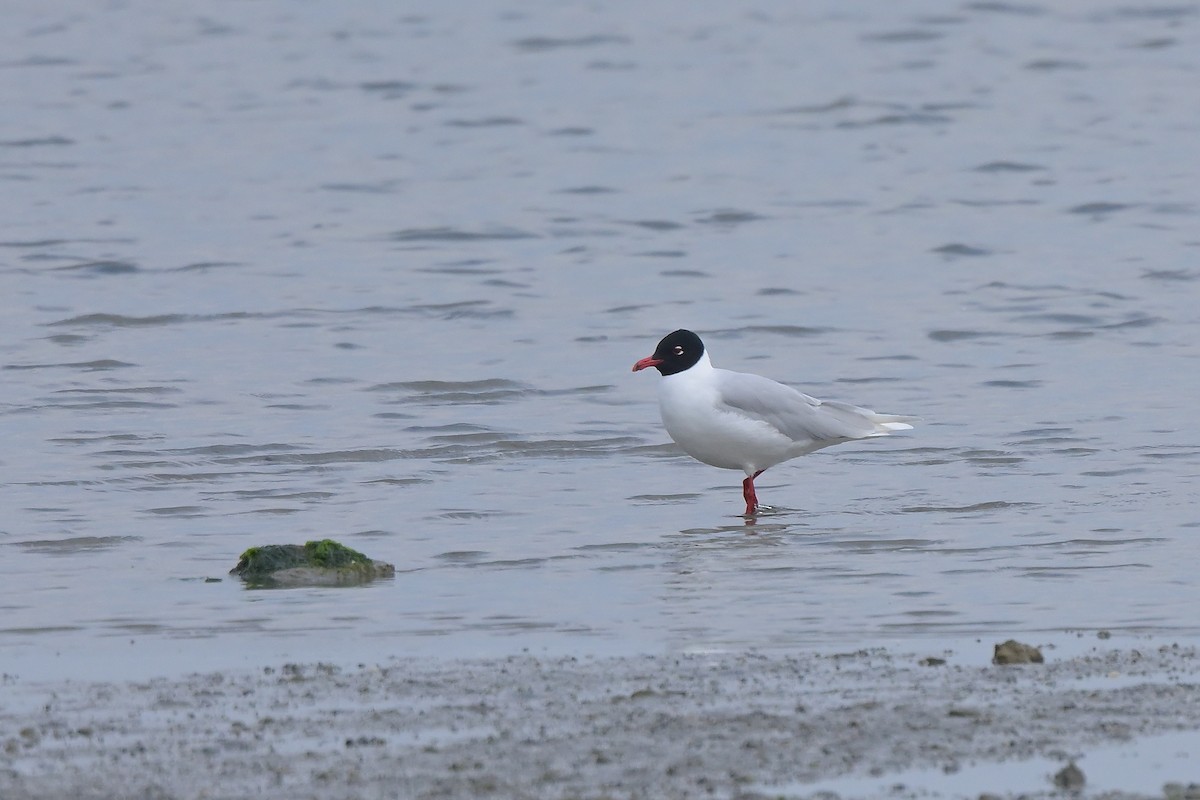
[(98, 364), (796, 331), (447, 234), (542, 44), (959, 249), (992, 505), (488, 391), (73, 545), (1009, 166)]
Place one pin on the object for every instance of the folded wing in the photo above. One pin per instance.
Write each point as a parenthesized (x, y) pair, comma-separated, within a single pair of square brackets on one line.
[(802, 418)]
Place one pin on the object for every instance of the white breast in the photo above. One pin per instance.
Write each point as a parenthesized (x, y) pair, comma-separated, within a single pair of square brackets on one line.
[(709, 431)]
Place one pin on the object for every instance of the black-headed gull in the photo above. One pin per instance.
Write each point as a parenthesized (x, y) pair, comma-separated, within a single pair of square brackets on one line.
[(735, 420)]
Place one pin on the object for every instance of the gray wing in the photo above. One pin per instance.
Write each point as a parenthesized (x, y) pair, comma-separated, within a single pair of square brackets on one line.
[(795, 414)]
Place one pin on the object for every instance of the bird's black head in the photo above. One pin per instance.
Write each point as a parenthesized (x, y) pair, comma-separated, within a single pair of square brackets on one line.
[(676, 352)]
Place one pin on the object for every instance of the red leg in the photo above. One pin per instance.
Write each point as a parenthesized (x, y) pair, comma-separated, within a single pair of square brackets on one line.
[(749, 495)]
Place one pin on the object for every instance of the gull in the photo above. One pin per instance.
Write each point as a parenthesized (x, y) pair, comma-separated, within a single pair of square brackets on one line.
[(736, 420)]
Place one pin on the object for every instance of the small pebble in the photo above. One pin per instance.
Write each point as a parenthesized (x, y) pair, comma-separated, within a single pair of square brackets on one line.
[(1014, 652), (1070, 777)]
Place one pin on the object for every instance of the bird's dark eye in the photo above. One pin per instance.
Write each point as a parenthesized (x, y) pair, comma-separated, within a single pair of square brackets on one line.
[(678, 349)]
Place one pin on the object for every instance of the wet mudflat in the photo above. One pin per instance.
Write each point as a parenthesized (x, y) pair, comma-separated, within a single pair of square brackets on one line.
[(864, 724)]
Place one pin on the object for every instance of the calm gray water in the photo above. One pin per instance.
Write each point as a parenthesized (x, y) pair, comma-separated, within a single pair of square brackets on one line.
[(277, 271)]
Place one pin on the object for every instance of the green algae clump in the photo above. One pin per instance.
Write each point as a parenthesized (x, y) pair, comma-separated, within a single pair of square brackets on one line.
[(317, 563), (328, 553)]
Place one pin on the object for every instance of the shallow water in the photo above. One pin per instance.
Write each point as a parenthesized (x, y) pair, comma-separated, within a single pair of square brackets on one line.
[(274, 273)]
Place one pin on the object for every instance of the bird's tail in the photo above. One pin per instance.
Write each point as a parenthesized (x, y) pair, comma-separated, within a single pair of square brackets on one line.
[(886, 423), (863, 423)]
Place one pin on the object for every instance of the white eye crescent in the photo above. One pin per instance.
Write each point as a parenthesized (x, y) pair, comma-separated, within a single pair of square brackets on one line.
[(678, 350)]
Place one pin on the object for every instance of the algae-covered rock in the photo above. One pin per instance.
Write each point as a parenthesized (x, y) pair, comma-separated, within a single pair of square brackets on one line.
[(320, 563)]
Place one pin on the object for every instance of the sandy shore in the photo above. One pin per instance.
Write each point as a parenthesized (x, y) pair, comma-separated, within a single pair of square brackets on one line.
[(729, 726)]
